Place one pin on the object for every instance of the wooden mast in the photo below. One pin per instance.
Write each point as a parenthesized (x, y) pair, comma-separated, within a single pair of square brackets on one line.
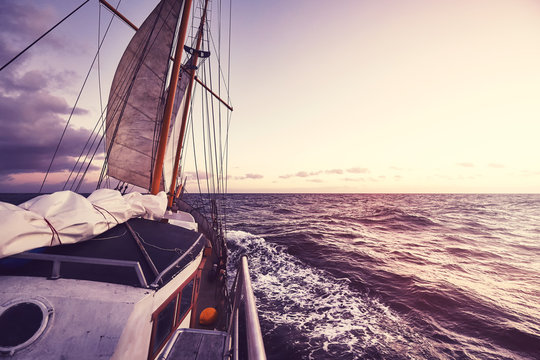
[(187, 100), (158, 166)]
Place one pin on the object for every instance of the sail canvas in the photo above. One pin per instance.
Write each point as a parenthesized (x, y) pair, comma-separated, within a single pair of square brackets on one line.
[(136, 100)]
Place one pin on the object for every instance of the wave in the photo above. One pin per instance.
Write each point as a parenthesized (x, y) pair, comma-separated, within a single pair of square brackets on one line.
[(394, 276), (322, 315)]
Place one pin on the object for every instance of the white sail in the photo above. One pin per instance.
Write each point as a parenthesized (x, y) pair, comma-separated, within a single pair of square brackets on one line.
[(137, 97)]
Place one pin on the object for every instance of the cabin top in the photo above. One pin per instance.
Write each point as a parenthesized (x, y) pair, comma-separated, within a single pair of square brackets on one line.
[(141, 253)]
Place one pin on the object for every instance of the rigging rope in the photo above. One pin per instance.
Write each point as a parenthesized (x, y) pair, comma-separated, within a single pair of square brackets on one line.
[(103, 123), (73, 109), (82, 152), (214, 136), (213, 117), (100, 43), (42, 36)]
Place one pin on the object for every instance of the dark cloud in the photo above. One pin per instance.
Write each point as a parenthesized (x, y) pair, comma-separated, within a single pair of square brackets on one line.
[(9, 184), (334, 171), (22, 22), (32, 118), (30, 127), (31, 81)]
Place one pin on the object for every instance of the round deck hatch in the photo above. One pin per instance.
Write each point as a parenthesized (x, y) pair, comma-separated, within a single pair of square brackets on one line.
[(21, 323)]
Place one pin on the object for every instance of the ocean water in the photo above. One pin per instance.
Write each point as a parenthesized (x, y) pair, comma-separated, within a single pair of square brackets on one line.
[(392, 276)]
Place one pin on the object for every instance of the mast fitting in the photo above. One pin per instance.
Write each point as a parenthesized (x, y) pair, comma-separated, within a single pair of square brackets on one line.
[(200, 53)]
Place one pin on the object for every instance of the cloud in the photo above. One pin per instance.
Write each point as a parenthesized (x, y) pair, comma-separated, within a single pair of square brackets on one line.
[(291, 175), (301, 174), (249, 176), (32, 118), (12, 84), (496, 166), (358, 170), (31, 182), (30, 127), (465, 164), (315, 180), (193, 176), (22, 23), (306, 174), (313, 173), (354, 179), (201, 175)]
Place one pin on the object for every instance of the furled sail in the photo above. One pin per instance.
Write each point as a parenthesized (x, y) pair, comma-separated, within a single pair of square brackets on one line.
[(137, 97)]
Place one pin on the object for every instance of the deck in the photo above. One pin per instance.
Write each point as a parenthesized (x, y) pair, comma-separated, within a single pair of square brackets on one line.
[(196, 344), (211, 295)]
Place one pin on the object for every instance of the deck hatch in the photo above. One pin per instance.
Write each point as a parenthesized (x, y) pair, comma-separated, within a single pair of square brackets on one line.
[(21, 323)]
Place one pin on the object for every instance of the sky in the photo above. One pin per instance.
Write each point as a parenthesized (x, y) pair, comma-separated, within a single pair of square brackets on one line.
[(386, 96)]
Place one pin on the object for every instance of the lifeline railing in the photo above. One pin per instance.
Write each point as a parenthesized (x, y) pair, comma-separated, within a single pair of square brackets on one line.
[(250, 345)]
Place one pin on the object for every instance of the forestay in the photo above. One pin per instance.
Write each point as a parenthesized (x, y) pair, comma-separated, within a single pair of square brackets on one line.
[(136, 100)]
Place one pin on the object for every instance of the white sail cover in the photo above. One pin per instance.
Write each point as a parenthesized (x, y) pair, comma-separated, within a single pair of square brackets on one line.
[(137, 97), (65, 217)]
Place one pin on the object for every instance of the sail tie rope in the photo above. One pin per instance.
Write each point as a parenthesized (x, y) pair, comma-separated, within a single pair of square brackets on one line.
[(54, 232), (100, 210)]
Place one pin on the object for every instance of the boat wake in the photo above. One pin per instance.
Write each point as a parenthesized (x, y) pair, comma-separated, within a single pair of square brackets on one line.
[(308, 313)]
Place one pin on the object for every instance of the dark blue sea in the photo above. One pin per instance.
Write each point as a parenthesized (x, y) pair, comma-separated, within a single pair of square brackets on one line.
[(392, 276)]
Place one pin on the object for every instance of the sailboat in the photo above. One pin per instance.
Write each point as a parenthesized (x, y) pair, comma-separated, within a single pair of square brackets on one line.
[(130, 276)]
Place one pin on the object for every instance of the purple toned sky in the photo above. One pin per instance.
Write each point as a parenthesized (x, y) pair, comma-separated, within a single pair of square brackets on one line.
[(329, 96)]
